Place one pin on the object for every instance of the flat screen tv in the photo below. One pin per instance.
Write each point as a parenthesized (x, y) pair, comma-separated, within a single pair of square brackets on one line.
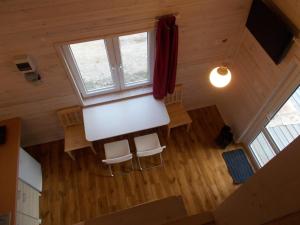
[(269, 29)]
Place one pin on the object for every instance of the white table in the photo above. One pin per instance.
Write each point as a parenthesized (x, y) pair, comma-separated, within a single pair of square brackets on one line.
[(123, 117)]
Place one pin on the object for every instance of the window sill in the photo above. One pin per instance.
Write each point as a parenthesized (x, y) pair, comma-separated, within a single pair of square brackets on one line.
[(117, 96)]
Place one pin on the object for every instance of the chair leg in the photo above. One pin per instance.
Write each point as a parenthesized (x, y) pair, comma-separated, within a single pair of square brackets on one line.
[(132, 164), (161, 159), (71, 155), (110, 170), (138, 159)]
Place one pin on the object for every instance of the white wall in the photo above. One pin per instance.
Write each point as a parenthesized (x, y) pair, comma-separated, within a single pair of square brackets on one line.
[(33, 27)]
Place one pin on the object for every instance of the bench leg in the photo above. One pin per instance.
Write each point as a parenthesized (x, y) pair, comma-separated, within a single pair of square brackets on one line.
[(188, 127), (71, 155)]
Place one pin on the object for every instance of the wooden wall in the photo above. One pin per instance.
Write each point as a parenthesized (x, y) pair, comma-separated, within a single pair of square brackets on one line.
[(33, 27), (271, 194), (291, 8), (255, 77)]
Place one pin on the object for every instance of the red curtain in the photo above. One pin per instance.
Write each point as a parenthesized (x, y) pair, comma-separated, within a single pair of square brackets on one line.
[(166, 57)]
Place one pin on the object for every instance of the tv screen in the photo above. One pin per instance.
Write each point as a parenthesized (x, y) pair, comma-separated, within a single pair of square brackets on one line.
[(268, 28)]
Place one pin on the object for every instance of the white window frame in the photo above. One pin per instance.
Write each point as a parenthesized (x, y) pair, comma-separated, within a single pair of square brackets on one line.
[(270, 142), (115, 62)]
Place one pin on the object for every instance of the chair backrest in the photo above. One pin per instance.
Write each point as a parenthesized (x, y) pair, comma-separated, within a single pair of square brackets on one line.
[(176, 97), (118, 159), (147, 142), (150, 152), (70, 116)]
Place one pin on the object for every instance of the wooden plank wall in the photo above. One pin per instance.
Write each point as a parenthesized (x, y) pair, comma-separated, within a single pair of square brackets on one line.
[(33, 27), (255, 76), (291, 8)]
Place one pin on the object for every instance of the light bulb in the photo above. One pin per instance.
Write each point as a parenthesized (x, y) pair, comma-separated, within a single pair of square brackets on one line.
[(220, 77)]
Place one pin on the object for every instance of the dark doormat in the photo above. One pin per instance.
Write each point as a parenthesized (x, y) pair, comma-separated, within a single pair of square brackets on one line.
[(238, 165)]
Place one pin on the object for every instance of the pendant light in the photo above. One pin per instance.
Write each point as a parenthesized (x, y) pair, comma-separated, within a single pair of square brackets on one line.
[(220, 76)]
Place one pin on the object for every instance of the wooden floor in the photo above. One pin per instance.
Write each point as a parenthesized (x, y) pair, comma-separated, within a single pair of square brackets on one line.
[(194, 168)]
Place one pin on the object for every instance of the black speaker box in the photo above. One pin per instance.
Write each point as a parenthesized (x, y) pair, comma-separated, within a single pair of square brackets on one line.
[(225, 137), (2, 134)]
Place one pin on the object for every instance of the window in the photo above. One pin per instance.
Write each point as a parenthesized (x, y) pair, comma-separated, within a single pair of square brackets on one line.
[(284, 127), (280, 131), (261, 149), (111, 65)]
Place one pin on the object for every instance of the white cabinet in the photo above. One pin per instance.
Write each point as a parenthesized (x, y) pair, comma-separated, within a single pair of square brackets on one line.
[(27, 204), (30, 170)]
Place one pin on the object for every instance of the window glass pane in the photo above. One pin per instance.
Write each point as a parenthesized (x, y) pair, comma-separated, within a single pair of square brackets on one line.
[(134, 55), (92, 62), (262, 150), (285, 125)]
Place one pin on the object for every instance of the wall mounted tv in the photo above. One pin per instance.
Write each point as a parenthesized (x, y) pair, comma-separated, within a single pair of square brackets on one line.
[(270, 30)]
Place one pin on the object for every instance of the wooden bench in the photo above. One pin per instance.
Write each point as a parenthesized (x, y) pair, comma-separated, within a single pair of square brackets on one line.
[(72, 122)]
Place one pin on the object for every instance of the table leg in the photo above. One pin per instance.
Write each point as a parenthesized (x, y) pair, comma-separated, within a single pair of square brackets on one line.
[(93, 149), (169, 132)]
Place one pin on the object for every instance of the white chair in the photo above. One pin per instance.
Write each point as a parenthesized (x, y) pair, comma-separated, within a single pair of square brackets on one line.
[(117, 152), (148, 145)]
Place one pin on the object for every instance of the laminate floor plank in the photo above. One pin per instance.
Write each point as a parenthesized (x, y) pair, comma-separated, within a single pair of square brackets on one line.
[(74, 191)]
